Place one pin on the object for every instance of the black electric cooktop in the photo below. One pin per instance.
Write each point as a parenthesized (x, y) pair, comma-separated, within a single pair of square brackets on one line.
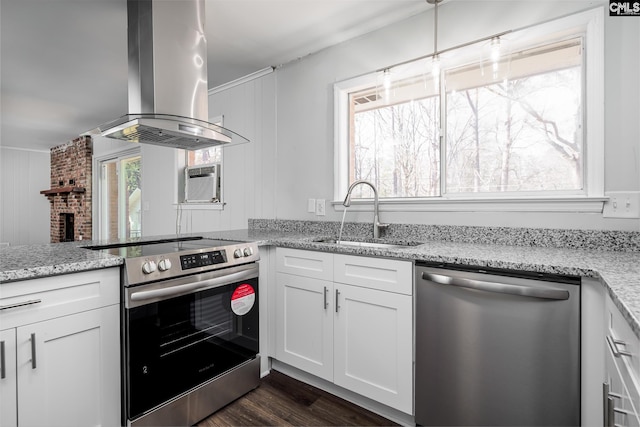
[(162, 247)]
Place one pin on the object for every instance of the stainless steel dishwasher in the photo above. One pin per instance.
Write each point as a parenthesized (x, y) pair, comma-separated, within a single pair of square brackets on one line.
[(496, 347)]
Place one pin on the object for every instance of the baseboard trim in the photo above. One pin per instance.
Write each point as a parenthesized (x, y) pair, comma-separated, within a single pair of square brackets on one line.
[(364, 402)]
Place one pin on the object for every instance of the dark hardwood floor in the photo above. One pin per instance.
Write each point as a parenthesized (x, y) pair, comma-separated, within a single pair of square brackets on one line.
[(283, 401)]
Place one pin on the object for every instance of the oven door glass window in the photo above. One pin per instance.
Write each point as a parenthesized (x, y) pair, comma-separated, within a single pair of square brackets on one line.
[(180, 343)]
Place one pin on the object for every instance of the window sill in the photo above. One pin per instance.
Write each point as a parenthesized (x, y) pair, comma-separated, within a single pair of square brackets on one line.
[(523, 204), (199, 206)]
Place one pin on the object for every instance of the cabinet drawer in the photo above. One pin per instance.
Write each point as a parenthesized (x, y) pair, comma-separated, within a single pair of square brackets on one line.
[(31, 301), (317, 265), (623, 342), (375, 273), (621, 408)]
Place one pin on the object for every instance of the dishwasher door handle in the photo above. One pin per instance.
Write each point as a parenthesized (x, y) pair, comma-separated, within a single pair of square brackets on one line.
[(501, 288)]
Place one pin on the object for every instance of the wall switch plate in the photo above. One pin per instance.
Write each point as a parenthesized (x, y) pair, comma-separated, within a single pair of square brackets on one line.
[(320, 207), (622, 204), (311, 205)]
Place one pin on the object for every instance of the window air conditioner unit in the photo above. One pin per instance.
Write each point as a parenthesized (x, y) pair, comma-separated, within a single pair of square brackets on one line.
[(202, 183)]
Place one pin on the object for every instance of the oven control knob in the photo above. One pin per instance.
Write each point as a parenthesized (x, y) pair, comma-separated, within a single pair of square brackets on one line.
[(164, 264), (238, 253), (247, 252), (149, 267)]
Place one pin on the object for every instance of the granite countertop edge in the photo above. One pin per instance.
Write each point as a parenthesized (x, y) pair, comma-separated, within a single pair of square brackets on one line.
[(618, 272)]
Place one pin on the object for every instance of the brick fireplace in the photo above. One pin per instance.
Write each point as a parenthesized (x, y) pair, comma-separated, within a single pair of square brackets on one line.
[(70, 192)]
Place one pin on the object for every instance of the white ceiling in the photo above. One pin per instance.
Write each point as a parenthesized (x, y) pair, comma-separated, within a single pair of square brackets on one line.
[(63, 63)]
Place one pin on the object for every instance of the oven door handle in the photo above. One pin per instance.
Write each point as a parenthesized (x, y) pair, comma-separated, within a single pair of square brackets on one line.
[(172, 291)]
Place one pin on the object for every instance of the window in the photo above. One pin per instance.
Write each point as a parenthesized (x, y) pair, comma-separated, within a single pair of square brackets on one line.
[(503, 119), (120, 197), (204, 156), (394, 143), (515, 125), (205, 190)]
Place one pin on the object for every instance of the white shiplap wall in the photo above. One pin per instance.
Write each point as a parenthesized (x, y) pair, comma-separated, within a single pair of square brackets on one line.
[(24, 212), (249, 170)]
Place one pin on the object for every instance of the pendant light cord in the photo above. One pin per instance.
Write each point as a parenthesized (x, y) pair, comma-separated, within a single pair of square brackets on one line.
[(435, 28)]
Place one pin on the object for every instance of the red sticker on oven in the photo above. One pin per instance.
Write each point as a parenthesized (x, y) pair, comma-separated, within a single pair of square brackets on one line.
[(242, 299)]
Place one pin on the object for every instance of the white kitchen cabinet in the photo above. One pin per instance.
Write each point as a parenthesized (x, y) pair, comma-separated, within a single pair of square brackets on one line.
[(622, 367), (317, 265), (8, 395), (620, 396), (348, 319), (374, 273), (305, 324), (75, 377), (304, 319), (63, 348), (373, 343)]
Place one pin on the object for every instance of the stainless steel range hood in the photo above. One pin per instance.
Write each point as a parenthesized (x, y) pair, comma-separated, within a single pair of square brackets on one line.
[(168, 99)]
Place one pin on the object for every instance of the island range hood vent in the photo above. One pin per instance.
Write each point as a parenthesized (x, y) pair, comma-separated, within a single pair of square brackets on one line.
[(168, 98)]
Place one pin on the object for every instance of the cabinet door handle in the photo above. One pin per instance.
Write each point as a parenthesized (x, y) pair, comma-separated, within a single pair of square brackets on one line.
[(326, 303), (605, 404), (337, 299), (614, 343), (611, 416), (3, 371), (20, 304), (33, 351)]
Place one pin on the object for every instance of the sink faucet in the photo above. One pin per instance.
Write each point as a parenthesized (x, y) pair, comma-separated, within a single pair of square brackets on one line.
[(376, 223)]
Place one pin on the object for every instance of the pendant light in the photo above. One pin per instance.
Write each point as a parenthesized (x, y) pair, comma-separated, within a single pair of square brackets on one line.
[(435, 60)]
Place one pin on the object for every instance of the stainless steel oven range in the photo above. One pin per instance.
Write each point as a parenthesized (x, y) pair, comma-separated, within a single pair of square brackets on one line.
[(189, 328)]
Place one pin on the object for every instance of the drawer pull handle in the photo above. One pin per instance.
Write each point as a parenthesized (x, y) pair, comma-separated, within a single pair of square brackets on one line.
[(337, 300), (20, 304), (326, 303), (610, 416), (614, 343), (623, 411), (33, 351)]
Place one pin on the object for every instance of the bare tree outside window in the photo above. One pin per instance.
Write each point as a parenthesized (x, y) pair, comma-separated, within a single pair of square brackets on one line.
[(396, 147), (520, 134), (514, 126)]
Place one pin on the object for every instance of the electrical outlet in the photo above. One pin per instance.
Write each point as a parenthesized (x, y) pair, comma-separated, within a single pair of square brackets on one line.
[(622, 204), (311, 205), (320, 207)]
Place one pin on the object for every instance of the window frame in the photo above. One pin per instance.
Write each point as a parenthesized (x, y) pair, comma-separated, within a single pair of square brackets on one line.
[(590, 26), (183, 163), (100, 195)]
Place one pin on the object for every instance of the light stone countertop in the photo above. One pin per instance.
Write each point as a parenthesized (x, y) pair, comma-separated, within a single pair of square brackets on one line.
[(618, 271), (34, 261)]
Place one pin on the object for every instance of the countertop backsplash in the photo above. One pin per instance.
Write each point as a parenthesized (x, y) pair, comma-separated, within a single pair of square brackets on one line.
[(604, 240)]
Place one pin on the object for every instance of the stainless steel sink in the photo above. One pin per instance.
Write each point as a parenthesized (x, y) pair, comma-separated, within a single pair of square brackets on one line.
[(369, 244)]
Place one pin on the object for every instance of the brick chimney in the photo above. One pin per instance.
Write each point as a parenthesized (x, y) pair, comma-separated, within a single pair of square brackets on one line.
[(70, 192)]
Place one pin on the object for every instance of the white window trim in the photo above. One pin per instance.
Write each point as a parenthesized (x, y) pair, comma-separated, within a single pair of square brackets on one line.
[(591, 23), (200, 206), (98, 196)]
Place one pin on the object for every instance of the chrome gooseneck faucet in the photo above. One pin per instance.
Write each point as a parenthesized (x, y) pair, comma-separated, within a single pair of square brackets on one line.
[(376, 223)]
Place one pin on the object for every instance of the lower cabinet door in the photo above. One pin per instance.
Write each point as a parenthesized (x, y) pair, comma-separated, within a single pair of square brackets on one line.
[(619, 408), (8, 392), (373, 345), (304, 322), (69, 370)]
